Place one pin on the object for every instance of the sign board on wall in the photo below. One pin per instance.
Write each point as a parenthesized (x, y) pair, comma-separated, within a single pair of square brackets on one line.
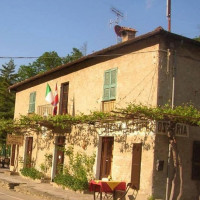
[(181, 130), (14, 139)]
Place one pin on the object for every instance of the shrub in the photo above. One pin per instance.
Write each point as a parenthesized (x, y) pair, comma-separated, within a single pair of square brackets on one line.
[(77, 173), (32, 173), (69, 181), (150, 198)]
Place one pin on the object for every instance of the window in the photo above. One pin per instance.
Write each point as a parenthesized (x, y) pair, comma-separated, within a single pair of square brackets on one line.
[(32, 102), (196, 161), (136, 165), (110, 83), (64, 98)]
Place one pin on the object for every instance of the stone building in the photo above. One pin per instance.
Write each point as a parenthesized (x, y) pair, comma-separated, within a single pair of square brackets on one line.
[(152, 69)]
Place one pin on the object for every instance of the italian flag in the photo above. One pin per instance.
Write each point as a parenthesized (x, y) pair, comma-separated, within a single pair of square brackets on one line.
[(49, 95), (55, 102)]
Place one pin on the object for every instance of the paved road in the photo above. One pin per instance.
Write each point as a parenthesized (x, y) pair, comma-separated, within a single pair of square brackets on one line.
[(6, 194)]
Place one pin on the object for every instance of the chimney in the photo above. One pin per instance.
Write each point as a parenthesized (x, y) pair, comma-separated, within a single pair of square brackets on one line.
[(125, 33)]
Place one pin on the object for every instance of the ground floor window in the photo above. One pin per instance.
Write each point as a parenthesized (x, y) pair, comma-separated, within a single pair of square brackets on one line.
[(196, 161)]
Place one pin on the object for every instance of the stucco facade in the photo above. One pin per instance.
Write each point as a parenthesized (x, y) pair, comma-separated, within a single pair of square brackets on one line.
[(147, 68)]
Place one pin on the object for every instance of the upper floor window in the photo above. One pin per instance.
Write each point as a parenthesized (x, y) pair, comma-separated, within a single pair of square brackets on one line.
[(32, 98), (64, 98), (110, 84), (196, 161)]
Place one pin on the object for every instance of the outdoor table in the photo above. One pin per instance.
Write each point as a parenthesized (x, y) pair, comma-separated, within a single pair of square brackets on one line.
[(106, 187)]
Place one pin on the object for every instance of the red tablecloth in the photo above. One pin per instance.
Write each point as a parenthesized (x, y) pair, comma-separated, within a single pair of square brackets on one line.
[(106, 186)]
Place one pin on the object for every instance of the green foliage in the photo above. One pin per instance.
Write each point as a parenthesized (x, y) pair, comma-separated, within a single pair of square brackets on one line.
[(197, 39), (26, 71), (32, 173), (77, 173), (4, 150), (150, 198), (47, 163), (7, 73), (45, 62), (7, 100), (186, 113), (75, 55)]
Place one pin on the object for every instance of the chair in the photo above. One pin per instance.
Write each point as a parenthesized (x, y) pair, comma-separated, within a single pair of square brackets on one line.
[(7, 162), (128, 186), (2, 162)]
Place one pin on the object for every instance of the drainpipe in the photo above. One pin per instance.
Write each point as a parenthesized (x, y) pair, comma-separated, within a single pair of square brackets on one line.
[(173, 79), (168, 172), (172, 105)]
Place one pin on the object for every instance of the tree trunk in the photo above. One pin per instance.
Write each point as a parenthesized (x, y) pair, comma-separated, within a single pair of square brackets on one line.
[(177, 164), (181, 178)]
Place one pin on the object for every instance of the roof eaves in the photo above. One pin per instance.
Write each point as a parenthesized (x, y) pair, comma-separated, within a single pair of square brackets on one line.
[(158, 30)]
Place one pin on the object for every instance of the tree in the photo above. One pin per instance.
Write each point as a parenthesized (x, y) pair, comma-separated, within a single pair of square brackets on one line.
[(47, 61), (7, 99), (197, 39), (75, 55), (8, 72), (26, 71)]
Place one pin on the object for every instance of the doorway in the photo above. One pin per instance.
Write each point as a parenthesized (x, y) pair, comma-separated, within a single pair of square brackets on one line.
[(59, 154), (106, 157), (28, 152)]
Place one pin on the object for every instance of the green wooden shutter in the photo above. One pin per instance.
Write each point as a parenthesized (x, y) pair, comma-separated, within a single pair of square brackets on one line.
[(106, 85), (110, 83), (32, 102), (113, 83)]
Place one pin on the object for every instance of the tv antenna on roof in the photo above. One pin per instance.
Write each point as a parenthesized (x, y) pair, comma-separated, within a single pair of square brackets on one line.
[(118, 14), (119, 17)]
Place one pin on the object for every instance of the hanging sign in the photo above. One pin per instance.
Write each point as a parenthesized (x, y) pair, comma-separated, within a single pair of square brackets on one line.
[(14, 139), (181, 130)]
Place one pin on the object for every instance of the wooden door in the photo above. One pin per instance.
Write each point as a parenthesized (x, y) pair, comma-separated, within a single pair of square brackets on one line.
[(29, 149), (12, 162), (64, 98), (136, 165), (60, 153), (196, 161), (106, 156)]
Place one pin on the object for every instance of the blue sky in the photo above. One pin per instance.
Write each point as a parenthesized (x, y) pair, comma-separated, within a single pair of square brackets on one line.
[(30, 28)]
